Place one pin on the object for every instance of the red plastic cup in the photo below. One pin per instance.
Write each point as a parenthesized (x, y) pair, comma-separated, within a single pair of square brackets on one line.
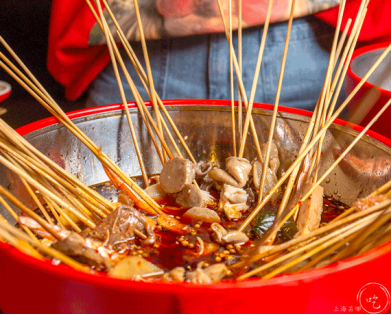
[(377, 89), (5, 90)]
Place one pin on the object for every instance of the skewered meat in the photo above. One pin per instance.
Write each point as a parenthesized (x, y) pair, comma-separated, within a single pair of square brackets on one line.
[(239, 169), (176, 274), (224, 237), (367, 202), (155, 191), (134, 266), (274, 161), (190, 196), (311, 210), (271, 174), (75, 246), (37, 228), (118, 227), (208, 275), (270, 181), (222, 176), (233, 201), (176, 173), (203, 168), (201, 214)]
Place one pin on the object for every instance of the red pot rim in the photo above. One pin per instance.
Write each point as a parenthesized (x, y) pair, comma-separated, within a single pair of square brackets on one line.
[(101, 279), (360, 51)]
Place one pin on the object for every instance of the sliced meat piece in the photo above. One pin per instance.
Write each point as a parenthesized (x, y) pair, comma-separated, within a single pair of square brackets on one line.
[(270, 180), (235, 237), (239, 168), (198, 276), (124, 199), (190, 196), (201, 214), (118, 227), (155, 191), (216, 272), (274, 161), (233, 201), (234, 195), (234, 211), (176, 173), (223, 236), (203, 168), (176, 274), (133, 266), (75, 246), (311, 210), (222, 176), (367, 202)]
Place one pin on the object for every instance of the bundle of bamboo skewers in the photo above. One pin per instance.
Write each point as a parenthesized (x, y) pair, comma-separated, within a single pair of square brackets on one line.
[(64, 201)]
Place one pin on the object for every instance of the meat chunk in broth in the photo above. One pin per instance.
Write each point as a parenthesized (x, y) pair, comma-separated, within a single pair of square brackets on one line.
[(238, 169), (176, 274), (176, 173), (208, 275), (201, 214), (222, 236), (75, 246), (311, 210), (233, 201), (120, 225), (190, 196)]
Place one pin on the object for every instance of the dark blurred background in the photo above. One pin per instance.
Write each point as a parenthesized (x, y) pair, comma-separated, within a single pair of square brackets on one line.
[(24, 24)]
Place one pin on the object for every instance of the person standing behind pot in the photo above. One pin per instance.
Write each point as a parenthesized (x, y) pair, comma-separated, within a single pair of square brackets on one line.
[(188, 50)]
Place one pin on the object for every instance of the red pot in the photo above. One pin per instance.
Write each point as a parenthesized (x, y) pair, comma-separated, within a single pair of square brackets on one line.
[(377, 89), (5, 90), (29, 285)]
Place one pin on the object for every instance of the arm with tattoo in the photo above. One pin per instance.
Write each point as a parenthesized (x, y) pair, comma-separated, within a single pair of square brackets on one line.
[(189, 17)]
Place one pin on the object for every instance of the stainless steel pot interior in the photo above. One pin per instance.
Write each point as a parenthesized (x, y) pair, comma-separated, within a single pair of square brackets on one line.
[(207, 130)]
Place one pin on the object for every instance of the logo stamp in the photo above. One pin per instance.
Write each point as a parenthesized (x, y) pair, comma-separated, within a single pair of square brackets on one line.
[(374, 298)]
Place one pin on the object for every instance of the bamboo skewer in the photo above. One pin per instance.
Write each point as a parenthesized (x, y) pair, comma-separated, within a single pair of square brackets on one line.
[(53, 178), (329, 251), (313, 142), (349, 52), (312, 126), (17, 243), (47, 192), (277, 101), (123, 97), (48, 250), (321, 230), (240, 57), (255, 80), (148, 66), (274, 229), (28, 212), (336, 235), (143, 78), (231, 80), (59, 114), (137, 96), (15, 216), (77, 132), (240, 82)]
